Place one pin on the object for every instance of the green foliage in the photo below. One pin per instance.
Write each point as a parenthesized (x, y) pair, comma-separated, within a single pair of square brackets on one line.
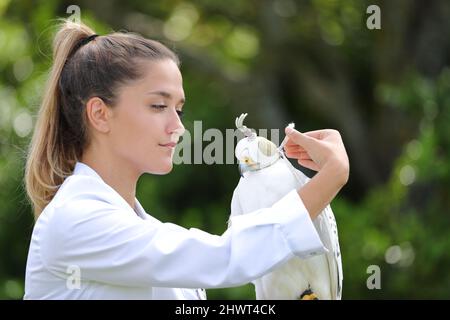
[(313, 62), (409, 211)]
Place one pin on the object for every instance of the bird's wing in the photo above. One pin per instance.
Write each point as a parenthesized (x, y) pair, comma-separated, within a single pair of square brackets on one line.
[(236, 208), (299, 176), (327, 228), (335, 259)]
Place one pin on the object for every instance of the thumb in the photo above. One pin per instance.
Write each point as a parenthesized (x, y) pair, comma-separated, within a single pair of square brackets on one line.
[(299, 138)]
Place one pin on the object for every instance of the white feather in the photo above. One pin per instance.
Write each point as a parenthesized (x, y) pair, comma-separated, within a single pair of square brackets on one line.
[(261, 189)]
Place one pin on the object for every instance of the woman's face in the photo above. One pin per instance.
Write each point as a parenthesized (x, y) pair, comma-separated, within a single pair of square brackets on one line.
[(146, 125)]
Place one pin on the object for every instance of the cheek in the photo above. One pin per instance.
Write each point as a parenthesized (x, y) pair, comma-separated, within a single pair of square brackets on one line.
[(138, 136), (133, 134), (130, 134), (147, 137), (146, 127), (153, 131)]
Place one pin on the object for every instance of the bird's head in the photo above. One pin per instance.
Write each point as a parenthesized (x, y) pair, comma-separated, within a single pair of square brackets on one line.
[(253, 152)]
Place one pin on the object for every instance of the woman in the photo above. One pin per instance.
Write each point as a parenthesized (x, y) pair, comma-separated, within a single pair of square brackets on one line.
[(111, 112)]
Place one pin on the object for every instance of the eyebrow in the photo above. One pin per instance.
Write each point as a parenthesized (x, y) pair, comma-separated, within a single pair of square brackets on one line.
[(165, 95)]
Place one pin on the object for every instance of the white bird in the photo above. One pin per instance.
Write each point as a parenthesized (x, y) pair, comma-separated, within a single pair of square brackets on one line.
[(267, 176)]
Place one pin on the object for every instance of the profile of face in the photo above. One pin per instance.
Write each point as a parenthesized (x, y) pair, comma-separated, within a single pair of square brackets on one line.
[(144, 126)]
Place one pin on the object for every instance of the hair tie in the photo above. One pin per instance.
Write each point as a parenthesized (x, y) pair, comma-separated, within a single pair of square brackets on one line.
[(83, 41), (87, 39)]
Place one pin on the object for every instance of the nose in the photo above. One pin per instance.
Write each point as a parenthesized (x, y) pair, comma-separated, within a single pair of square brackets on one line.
[(175, 128)]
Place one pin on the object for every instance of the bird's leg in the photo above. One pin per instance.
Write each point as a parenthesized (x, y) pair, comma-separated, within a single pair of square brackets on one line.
[(308, 294)]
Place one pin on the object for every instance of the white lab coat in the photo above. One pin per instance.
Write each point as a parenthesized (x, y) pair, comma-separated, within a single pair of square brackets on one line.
[(89, 243)]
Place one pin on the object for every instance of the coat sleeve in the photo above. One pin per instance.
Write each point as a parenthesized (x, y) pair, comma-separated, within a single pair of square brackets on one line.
[(111, 246)]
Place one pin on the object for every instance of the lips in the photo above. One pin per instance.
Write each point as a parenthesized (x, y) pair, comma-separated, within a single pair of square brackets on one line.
[(170, 144)]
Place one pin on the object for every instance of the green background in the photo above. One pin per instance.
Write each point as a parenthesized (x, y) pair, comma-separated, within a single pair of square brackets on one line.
[(312, 62)]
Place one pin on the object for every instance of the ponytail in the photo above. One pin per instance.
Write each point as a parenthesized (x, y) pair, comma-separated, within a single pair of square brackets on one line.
[(49, 162)]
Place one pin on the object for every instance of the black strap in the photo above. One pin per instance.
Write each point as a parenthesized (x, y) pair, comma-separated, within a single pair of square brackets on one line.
[(84, 41)]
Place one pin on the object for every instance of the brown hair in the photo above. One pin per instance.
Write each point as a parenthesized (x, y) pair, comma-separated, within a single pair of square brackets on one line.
[(84, 66)]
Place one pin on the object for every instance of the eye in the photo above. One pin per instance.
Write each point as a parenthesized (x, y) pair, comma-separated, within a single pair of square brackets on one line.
[(159, 106), (180, 113)]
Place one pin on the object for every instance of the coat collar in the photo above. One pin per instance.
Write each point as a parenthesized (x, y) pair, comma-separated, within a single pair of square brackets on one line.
[(85, 170)]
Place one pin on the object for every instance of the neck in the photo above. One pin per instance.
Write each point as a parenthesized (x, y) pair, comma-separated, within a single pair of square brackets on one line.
[(115, 173)]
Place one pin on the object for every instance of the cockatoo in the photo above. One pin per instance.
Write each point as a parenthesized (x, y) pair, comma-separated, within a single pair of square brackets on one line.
[(267, 176)]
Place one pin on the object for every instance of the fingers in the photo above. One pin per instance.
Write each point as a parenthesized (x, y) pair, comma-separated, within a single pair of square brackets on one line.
[(309, 164), (294, 148), (298, 138), (314, 149), (292, 144), (292, 154), (304, 160), (317, 134), (298, 155), (323, 134)]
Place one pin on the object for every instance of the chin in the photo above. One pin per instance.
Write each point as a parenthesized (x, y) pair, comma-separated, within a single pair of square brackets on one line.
[(168, 170), (163, 169)]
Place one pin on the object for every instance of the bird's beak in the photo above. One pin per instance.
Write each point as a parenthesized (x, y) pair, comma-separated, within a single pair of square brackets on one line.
[(242, 168)]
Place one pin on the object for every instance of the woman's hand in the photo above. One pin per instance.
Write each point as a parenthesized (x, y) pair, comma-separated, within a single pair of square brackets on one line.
[(322, 151), (318, 149)]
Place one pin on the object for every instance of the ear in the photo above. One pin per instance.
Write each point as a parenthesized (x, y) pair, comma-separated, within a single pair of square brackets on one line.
[(98, 114)]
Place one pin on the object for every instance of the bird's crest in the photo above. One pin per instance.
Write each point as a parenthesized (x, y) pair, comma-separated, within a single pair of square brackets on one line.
[(240, 126)]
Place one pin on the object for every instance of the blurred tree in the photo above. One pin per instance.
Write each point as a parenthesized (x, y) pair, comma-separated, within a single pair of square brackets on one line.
[(312, 62)]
